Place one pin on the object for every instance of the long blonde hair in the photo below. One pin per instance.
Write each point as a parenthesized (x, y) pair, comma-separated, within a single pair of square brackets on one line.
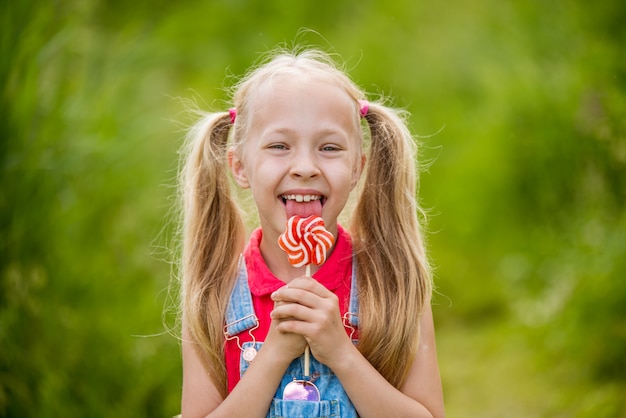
[(393, 275)]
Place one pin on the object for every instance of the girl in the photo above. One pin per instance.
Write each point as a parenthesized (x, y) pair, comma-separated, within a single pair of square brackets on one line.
[(295, 139)]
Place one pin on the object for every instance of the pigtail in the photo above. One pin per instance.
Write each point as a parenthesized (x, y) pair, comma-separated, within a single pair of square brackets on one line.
[(213, 237), (394, 280)]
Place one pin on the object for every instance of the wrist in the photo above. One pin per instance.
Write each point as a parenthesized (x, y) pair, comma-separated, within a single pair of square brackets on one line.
[(278, 355), (344, 357)]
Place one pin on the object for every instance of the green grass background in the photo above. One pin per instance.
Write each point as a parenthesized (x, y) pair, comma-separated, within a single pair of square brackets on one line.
[(522, 109)]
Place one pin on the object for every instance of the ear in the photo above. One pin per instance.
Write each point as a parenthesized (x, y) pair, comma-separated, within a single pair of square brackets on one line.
[(236, 167), (358, 170)]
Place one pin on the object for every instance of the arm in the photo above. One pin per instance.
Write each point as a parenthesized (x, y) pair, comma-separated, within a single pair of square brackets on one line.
[(421, 395), (254, 392), (318, 320)]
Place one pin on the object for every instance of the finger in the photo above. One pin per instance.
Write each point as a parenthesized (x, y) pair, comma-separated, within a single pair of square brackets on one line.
[(312, 328), (292, 311), (299, 296), (294, 327), (309, 284), (313, 320), (306, 291)]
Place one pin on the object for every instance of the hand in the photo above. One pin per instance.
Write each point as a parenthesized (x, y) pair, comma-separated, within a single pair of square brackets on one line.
[(305, 307), (286, 344)]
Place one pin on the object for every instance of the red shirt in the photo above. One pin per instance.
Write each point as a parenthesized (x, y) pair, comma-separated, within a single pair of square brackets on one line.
[(335, 274)]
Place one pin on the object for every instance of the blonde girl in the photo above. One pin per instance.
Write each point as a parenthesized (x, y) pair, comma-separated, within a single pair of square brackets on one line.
[(300, 136)]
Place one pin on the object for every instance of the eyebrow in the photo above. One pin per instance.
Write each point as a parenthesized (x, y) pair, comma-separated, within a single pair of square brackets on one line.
[(291, 132)]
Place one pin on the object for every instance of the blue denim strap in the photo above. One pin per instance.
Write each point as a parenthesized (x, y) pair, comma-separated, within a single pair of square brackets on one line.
[(240, 315), (353, 308)]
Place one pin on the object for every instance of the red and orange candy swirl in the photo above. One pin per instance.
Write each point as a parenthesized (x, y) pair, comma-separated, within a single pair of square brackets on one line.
[(306, 241)]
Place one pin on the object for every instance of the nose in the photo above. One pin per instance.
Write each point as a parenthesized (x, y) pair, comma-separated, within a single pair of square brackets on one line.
[(304, 165)]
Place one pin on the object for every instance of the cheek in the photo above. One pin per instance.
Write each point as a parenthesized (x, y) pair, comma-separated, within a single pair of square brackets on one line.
[(345, 179)]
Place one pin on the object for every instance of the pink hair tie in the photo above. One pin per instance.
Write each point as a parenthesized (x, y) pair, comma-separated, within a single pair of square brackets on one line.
[(364, 107), (233, 114)]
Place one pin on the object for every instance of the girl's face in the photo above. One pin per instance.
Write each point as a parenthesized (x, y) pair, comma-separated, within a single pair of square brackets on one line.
[(304, 144)]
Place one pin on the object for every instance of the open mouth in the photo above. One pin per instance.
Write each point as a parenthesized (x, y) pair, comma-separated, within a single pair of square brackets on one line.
[(303, 205)]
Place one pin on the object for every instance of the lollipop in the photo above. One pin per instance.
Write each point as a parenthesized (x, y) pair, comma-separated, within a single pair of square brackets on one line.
[(305, 241)]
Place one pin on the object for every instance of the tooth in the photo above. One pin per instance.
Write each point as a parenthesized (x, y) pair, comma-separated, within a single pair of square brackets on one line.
[(301, 198)]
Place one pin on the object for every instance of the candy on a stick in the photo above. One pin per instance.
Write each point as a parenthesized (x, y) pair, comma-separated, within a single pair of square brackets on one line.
[(305, 241)]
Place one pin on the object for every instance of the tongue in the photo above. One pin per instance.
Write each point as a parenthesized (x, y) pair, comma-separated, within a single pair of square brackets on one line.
[(304, 209)]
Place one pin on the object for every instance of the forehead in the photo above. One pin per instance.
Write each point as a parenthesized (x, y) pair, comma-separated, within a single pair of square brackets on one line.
[(296, 99)]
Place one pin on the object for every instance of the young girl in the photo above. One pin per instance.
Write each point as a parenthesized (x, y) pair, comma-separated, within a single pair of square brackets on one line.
[(295, 138)]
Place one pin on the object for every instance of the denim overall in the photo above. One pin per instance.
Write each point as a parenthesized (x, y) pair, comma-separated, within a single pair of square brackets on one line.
[(334, 401)]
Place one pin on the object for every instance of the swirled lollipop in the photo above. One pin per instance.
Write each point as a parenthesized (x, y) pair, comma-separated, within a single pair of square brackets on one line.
[(306, 241)]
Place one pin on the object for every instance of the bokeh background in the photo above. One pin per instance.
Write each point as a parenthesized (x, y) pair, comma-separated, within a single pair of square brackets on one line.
[(521, 109)]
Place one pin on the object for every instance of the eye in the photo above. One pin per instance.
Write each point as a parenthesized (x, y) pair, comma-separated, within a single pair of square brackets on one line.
[(277, 146), (331, 147)]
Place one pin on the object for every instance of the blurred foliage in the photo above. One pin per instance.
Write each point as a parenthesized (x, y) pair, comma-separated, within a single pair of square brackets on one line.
[(522, 111)]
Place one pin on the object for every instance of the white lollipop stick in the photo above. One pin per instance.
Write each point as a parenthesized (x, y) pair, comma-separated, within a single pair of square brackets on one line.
[(307, 350), (292, 242)]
